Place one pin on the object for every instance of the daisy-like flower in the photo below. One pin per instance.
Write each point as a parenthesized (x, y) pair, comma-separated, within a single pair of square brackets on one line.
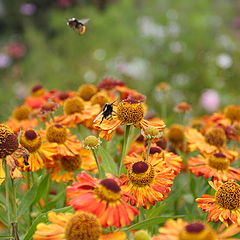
[(74, 226), (129, 112), (225, 205), (39, 152), (76, 110), (91, 142), (103, 198), (65, 143), (182, 230), (213, 141), (216, 165), (147, 181), (175, 135), (183, 107), (20, 119)]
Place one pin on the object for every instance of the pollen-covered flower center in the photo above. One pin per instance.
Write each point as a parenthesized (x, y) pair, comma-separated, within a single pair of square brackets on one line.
[(31, 140), (100, 99), (73, 105), (108, 190), (71, 163), (218, 161), (151, 132), (141, 174), (175, 134), (86, 91), (38, 90), (83, 226), (22, 112), (8, 141), (155, 150), (130, 111), (216, 137), (228, 196), (232, 112), (91, 142), (56, 133), (197, 231)]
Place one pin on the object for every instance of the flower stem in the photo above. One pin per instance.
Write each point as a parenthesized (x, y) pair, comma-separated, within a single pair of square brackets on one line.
[(148, 148), (7, 175), (100, 173), (125, 147)]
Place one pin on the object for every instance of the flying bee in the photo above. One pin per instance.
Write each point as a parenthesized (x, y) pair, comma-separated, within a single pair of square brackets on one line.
[(106, 112), (78, 24)]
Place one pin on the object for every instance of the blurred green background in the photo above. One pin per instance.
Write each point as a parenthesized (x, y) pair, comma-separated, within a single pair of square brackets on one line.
[(192, 45)]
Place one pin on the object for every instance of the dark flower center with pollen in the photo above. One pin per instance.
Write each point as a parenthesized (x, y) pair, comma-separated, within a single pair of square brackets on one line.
[(73, 105), (56, 133), (155, 150), (108, 190), (8, 141), (216, 137), (31, 140), (194, 227), (63, 95), (71, 164), (218, 161), (141, 174), (30, 134), (228, 196)]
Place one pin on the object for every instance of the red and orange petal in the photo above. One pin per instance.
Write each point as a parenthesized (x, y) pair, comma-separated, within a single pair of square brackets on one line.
[(215, 212), (88, 160), (199, 167), (81, 196), (16, 125), (72, 120)]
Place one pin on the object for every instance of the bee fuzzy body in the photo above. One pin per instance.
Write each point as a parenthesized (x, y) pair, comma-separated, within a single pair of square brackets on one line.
[(78, 25)]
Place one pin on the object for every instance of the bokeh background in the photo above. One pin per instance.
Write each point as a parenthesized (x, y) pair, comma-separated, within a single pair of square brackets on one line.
[(192, 45)]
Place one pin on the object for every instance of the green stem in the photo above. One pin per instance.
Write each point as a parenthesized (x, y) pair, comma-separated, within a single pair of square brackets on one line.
[(100, 173), (7, 176), (125, 147), (148, 148), (14, 209)]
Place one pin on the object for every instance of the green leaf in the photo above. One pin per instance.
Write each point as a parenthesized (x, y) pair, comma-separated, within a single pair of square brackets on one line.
[(108, 163), (6, 237), (43, 218), (42, 187), (155, 210), (27, 201), (149, 222), (3, 217), (54, 200)]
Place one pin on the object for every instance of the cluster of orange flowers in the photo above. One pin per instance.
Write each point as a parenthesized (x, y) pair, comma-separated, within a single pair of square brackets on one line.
[(49, 128)]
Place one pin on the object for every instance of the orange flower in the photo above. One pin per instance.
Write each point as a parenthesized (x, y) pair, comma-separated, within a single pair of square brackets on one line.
[(216, 165), (225, 205), (65, 144), (214, 141), (103, 198), (182, 230), (76, 110), (129, 112), (20, 119), (39, 152), (147, 181), (79, 225)]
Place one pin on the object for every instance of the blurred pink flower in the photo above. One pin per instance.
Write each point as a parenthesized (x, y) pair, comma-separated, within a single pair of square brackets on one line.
[(16, 50), (5, 60), (28, 9), (210, 100)]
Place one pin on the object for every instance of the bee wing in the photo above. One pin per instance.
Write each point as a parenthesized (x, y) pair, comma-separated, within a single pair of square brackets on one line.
[(84, 21), (98, 116)]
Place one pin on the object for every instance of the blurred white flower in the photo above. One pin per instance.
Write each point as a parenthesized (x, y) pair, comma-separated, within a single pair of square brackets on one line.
[(90, 76), (224, 61), (180, 79), (99, 54), (209, 100), (5, 60), (175, 47)]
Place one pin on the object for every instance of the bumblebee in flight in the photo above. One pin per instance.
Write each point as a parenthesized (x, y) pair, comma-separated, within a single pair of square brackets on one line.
[(106, 112), (78, 24)]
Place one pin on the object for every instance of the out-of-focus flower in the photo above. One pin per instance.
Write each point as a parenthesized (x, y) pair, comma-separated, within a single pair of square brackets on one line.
[(224, 61), (175, 135), (210, 100), (16, 50), (28, 9), (163, 86), (183, 107), (151, 133), (129, 112), (232, 112), (109, 83), (182, 230), (216, 166), (147, 181), (214, 141), (224, 206), (64, 3), (72, 226), (86, 91), (5, 60), (104, 198)]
